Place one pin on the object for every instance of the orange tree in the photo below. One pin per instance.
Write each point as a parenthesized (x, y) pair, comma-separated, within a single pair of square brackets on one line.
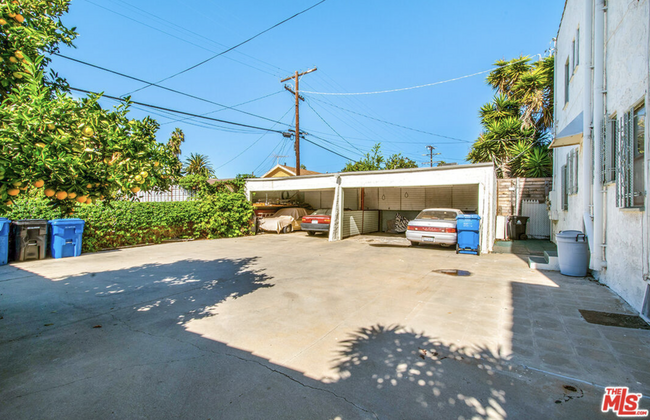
[(75, 150)]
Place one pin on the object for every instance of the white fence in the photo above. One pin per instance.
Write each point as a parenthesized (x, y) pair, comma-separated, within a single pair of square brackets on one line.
[(175, 194), (539, 224)]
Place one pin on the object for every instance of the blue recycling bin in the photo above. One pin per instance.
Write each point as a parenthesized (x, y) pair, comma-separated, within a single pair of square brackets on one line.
[(65, 237), (468, 228), (4, 240)]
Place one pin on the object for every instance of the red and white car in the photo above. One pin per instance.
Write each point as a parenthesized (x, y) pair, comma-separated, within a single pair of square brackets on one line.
[(318, 221)]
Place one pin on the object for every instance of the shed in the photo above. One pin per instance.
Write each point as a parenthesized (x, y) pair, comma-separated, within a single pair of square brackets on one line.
[(362, 202)]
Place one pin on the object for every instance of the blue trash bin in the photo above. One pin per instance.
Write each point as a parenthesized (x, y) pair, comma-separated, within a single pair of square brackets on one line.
[(4, 240), (65, 238), (467, 230)]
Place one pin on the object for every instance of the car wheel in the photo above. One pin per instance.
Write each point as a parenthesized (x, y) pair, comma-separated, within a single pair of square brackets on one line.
[(413, 243), (311, 233), (287, 229)]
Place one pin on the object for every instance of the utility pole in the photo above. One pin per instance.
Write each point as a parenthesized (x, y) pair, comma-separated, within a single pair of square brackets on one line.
[(298, 99), (431, 154)]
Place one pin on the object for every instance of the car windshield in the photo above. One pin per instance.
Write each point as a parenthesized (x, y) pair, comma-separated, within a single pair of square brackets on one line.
[(322, 212), (438, 215)]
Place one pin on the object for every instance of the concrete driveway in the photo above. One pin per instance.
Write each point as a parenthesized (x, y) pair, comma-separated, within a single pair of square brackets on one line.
[(291, 326)]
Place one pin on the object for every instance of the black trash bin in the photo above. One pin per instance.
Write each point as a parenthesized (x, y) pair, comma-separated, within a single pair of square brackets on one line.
[(29, 239), (517, 227)]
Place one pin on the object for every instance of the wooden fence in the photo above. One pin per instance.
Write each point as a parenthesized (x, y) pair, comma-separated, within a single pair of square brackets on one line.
[(512, 191)]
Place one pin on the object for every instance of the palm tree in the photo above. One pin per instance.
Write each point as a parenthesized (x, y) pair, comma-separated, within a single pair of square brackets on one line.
[(198, 164), (517, 122)]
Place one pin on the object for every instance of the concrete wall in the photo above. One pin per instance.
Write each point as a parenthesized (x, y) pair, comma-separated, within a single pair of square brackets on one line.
[(627, 66), (626, 82)]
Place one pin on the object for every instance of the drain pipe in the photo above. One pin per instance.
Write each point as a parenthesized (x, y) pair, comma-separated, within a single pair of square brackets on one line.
[(587, 169), (599, 110)]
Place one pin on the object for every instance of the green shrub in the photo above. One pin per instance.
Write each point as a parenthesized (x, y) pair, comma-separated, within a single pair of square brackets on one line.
[(122, 223)]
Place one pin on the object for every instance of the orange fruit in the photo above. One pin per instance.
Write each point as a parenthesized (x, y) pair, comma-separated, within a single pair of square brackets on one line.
[(19, 18), (11, 14), (19, 55), (8, 203), (49, 192), (97, 184), (17, 184), (89, 186), (51, 126), (135, 190), (61, 195), (23, 188), (87, 131), (39, 183), (13, 59), (41, 145), (81, 199), (13, 192), (89, 200), (3, 22), (72, 195)]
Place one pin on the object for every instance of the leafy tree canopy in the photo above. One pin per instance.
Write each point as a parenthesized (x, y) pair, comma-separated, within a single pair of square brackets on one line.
[(375, 161), (518, 121), (73, 149)]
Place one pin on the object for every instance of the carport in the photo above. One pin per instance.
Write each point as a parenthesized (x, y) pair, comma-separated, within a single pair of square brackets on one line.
[(363, 202)]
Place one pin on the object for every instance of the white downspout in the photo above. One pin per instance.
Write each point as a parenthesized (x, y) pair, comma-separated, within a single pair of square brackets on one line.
[(599, 62), (587, 170)]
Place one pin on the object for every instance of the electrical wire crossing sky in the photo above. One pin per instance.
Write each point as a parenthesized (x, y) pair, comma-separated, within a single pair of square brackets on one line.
[(405, 76)]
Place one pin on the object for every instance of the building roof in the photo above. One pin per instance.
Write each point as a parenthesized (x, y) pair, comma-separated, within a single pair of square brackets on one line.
[(289, 170)]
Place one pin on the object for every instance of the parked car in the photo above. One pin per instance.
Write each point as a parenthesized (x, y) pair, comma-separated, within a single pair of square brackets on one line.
[(284, 220), (434, 226), (318, 221)]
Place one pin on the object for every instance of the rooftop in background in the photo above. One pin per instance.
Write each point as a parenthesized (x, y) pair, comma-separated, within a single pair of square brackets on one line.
[(281, 171)]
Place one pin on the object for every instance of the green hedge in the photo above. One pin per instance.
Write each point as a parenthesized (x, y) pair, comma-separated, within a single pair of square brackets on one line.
[(125, 223)]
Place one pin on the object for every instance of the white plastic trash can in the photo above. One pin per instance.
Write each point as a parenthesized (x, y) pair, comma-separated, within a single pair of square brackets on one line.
[(573, 253)]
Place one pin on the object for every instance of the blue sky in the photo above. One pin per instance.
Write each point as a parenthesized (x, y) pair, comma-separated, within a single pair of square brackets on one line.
[(357, 46)]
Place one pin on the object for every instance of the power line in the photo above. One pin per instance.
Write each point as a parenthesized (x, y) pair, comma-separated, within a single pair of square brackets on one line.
[(409, 88), (332, 128), (174, 24), (176, 37), (163, 87), (396, 125), (329, 150), (229, 49), (177, 111), (234, 106), (254, 143)]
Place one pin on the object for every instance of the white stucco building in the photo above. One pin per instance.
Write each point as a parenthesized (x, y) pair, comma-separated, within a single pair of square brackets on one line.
[(601, 174), (363, 202)]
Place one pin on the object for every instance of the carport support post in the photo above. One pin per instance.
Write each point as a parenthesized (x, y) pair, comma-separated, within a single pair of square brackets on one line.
[(337, 212)]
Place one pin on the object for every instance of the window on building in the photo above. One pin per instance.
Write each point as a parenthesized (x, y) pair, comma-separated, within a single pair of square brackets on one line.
[(567, 78), (638, 134), (573, 55), (630, 152), (572, 172), (577, 47), (565, 188), (609, 147)]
